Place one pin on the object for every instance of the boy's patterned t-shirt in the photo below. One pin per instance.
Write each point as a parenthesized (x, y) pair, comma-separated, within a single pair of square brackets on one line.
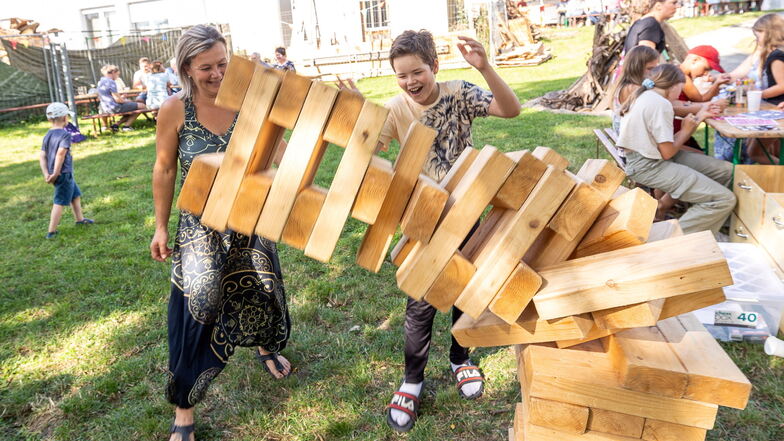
[(451, 115)]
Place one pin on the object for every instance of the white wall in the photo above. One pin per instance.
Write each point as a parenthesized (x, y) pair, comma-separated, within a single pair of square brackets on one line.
[(418, 14)]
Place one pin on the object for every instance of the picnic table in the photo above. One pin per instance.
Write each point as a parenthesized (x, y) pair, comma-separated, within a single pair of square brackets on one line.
[(728, 130)]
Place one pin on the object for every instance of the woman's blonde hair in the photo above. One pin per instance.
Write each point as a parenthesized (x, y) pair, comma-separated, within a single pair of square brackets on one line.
[(663, 76), (634, 67), (772, 25), (194, 41)]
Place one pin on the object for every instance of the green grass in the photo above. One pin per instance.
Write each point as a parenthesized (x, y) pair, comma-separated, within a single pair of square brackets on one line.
[(83, 318)]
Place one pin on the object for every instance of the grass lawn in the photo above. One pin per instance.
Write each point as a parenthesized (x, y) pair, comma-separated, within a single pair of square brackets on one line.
[(83, 317)]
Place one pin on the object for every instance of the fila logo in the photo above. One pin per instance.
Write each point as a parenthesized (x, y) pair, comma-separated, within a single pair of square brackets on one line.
[(467, 373), (403, 402)]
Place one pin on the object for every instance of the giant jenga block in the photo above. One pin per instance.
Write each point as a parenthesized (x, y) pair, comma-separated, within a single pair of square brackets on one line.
[(474, 192), (516, 293), (520, 182), (304, 213), (235, 83), (563, 417), (348, 107), (551, 157), (304, 144), (614, 423), (198, 184), (664, 431), (424, 210), (346, 183), (373, 190), (378, 236), (250, 198), (640, 314), (448, 285)]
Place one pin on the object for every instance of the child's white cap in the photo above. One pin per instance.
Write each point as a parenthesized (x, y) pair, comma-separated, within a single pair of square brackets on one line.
[(56, 110)]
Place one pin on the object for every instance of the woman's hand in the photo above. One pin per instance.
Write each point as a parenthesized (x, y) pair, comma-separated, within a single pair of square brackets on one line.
[(707, 111), (159, 246), (690, 122), (473, 52)]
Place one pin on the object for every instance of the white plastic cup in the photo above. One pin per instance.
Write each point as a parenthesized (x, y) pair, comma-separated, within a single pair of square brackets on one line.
[(754, 100), (774, 346)]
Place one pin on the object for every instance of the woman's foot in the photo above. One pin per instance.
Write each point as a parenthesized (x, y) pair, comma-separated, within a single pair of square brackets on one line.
[(182, 428), (469, 380), (404, 408), (274, 363)]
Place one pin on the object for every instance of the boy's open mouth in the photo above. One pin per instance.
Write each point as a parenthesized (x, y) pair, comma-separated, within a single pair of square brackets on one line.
[(415, 91)]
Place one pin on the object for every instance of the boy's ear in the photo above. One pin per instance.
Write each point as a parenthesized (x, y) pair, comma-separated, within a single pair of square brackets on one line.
[(435, 66)]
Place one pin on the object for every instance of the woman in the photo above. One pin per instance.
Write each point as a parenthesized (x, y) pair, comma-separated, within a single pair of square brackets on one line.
[(157, 86), (113, 102), (227, 289), (283, 63)]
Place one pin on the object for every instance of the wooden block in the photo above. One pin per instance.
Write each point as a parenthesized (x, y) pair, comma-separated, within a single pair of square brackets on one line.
[(614, 423), (490, 330), (682, 304), (663, 431), (713, 376), (374, 188), (520, 182), (401, 250), (499, 259), (346, 182), (625, 222), (250, 199), (459, 168), (594, 334), (551, 247), (472, 195), (632, 316), (563, 417), (646, 363), (344, 115), (266, 147), (235, 83), (665, 230), (303, 216), (305, 143), (291, 97), (550, 157), (661, 269), (516, 293), (196, 188), (423, 210), (569, 221), (414, 150), (486, 229), (589, 379), (450, 282), (255, 108)]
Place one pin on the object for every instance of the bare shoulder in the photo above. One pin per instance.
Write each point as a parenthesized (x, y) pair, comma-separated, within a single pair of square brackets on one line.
[(172, 111)]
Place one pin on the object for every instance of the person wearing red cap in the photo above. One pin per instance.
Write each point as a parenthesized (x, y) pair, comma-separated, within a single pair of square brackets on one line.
[(698, 63)]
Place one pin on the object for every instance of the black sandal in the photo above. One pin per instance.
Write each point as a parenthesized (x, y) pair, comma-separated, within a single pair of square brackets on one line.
[(278, 365), (405, 403), (466, 375), (183, 431)]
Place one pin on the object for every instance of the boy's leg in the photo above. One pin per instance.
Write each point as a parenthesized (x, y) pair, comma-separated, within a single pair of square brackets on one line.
[(419, 331), (54, 219), (76, 206)]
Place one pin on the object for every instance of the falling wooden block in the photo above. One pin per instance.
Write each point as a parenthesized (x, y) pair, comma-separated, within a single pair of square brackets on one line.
[(424, 210), (304, 144), (414, 150), (303, 216), (646, 363), (235, 83), (633, 316), (593, 334), (291, 97), (614, 423), (490, 330), (450, 282), (374, 188), (402, 250), (255, 108), (661, 269), (516, 293), (459, 169), (665, 230), (250, 199), (589, 379), (569, 221), (682, 304), (481, 236), (550, 157), (520, 182), (713, 376), (346, 112), (346, 182), (474, 192), (516, 432), (198, 183), (563, 417), (663, 431), (508, 245), (625, 222)]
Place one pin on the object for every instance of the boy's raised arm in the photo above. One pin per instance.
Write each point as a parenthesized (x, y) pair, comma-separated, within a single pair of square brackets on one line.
[(505, 103)]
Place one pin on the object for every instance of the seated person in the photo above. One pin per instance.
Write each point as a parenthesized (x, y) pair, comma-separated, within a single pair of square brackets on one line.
[(637, 64), (140, 78), (157, 86), (114, 102)]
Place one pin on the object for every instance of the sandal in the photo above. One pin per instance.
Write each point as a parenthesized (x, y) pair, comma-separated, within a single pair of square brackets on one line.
[(274, 357), (405, 403), (466, 375), (183, 431), (85, 221)]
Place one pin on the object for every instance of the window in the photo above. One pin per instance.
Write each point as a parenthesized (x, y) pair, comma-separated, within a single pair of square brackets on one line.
[(286, 21), (374, 12), (456, 14), (148, 15), (98, 26)]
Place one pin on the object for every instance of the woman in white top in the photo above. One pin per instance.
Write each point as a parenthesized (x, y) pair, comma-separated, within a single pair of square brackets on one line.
[(655, 157)]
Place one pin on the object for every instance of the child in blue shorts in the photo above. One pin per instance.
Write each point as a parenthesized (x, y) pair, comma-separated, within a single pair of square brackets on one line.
[(57, 168)]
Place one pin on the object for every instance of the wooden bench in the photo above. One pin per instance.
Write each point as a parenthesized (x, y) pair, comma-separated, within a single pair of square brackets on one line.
[(608, 138), (107, 119)]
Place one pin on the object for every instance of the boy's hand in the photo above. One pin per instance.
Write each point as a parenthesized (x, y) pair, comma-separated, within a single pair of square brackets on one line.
[(51, 178), (347, 84), (473, 52), (723, 79), (159, 248)]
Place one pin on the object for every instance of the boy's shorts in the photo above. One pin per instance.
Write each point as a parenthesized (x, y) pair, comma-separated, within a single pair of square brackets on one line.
[(65, 189), (128, 106)]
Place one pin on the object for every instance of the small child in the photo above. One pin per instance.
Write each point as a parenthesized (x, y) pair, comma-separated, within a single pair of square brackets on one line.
[(656, 158), (157, 86), (57, 168), (449, 108), (638, 62)]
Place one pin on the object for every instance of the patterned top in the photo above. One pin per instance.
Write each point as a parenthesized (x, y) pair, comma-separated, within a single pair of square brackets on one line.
[(451, 115), (195, 139)]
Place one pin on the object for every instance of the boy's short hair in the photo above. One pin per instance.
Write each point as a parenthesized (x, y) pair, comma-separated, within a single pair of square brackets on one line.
[(144, 60), (419, 43), (59, 119)]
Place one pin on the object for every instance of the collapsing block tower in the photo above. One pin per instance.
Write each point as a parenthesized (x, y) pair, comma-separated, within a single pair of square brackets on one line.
[(559, 260)]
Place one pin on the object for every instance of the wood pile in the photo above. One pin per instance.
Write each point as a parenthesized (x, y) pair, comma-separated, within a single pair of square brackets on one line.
[(572, 262), (520, 45)]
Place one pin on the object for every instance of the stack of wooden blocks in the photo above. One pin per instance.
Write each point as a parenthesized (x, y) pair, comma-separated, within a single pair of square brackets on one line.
[(533, 254)]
